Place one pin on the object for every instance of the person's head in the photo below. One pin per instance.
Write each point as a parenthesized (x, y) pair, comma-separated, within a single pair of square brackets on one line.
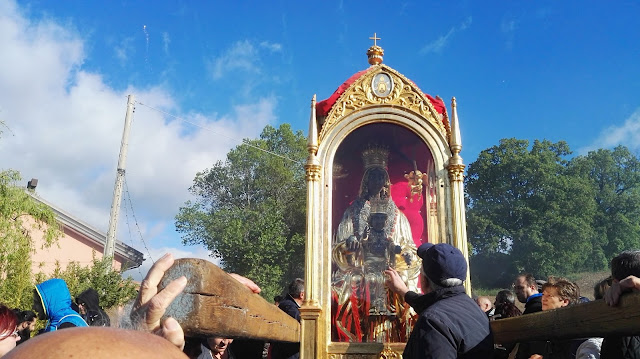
[(277, 299), (484, 303), (507, 309), (558, 293), (109, 343), (505, 296), (51, 298), (8, 329), (27, 320), (88, 300), (625, 264), (296, 289), (525, 286), (601, 287), (218, 345), (443, 266)]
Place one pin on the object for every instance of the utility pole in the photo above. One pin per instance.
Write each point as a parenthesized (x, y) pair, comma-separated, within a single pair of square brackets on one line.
[(109, 247)]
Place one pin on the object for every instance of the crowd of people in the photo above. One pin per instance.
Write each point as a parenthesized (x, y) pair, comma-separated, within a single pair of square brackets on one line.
[(51, 302), (450, 324), (540, 295)]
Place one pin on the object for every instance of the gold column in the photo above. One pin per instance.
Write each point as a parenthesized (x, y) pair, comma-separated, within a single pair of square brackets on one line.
[(456, 176), (310, 311)]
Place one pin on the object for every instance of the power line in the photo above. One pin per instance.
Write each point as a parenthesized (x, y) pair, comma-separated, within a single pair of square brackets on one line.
[(133, 214), (126, 214), (208, 129)]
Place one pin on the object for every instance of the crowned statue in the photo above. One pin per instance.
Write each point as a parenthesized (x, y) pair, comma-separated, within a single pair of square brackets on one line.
[(372, 236)]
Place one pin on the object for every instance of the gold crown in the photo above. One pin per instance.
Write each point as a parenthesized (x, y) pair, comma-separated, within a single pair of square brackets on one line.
[(375, 156)]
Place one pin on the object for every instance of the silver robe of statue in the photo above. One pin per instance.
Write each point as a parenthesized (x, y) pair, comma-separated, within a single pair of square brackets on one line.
[(361, 252)]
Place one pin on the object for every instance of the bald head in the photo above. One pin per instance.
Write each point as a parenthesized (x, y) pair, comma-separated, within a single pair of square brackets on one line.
[(96, 343), (484, 303)]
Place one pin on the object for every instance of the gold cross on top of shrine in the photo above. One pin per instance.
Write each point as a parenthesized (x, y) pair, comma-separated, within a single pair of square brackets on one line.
[(375, 38)]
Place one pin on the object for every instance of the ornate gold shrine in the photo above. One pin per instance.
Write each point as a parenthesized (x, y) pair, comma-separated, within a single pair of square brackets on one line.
[(384, 174)]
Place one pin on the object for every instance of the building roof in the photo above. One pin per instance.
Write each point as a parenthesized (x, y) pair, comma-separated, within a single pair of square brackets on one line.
[(133, 258)]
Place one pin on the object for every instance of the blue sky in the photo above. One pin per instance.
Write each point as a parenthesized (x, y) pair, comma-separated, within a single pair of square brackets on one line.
[(536, 70)]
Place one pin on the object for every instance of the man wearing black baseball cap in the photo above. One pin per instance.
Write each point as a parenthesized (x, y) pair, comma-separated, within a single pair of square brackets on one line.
[(450, 324)]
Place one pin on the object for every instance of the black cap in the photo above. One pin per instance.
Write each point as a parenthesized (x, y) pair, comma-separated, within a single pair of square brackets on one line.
[(442, 261)]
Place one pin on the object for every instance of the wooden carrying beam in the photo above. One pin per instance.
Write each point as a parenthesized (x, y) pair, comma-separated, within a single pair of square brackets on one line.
[(214, 303), (585, 320)]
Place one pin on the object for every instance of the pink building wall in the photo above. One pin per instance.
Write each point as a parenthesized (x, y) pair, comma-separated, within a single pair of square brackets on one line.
[(72, 246)]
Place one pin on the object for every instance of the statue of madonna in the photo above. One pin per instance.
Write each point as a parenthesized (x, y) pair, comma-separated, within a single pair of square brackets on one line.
[(372, 235)]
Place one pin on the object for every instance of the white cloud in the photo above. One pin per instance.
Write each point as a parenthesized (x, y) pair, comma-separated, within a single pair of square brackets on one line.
[(65, 128), (437, 45), (241, 56), (628, 134), (273, 47)]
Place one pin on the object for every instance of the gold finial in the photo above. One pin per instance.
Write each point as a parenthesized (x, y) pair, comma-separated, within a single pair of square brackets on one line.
[(375, 52)]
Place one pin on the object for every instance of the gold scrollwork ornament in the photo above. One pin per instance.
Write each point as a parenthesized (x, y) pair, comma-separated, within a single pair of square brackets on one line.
[(383, 87), (387, 353)]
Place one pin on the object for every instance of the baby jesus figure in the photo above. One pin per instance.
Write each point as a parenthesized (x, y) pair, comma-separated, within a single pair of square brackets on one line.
[(379, 253)]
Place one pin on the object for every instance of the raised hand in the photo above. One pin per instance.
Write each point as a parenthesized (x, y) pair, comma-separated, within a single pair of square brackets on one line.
[(395, 283), (150, 305)]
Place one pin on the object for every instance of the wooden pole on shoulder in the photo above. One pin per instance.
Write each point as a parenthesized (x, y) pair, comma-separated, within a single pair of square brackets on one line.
[(584, 320), (214, 303)]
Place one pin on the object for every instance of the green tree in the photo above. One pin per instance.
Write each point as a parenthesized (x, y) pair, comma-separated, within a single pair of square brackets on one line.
[(614, 177), (525, 213), (19, 215), (112, 289), (250, 209)]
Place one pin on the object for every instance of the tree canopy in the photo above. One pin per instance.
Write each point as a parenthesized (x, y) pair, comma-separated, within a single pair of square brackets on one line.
[(531, 208), (250, 209), (112, 289)]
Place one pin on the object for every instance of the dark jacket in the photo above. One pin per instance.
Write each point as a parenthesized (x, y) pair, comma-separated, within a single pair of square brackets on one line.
[(533, 304), (95, 316), (281, 350), (56, 302), (450, 325), (558, 349), (620, 348), (526, 349)]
